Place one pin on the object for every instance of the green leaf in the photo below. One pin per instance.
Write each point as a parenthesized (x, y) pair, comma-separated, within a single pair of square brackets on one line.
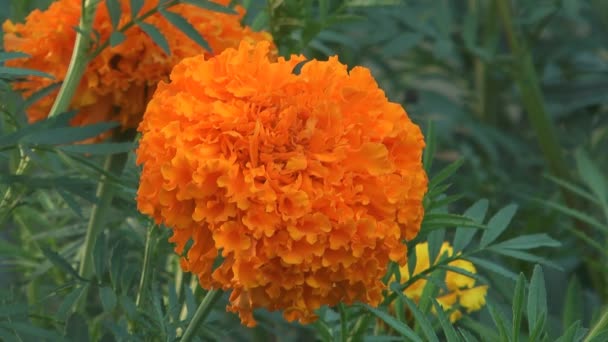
[(537, 296), (136, 6), (521, 255), (114, 11), (183, 25), (574, 333), (128, 305), (435, 240), (20, 72), (156, 36), (69, 301), (26, 329), (60, 262), (529, 242), (401, 44), (468, 337), (190, 302), (497, 224), (477, 213), (76, 328), (66, 135), (7, 310), (448, 328), (434, 221), (518, 305), (445, 173), (573, 188), (208, 5), (99, 149), (400, 327), (579, 215), (5, 56), (499, 321), (421, 318), (40, 94), (492, 267), (573, 308), (592, 176), (108, 298), (116, 38)]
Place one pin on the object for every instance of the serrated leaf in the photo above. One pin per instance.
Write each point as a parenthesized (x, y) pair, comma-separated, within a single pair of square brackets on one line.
[(537, 297), (208, 5), (400, 327), (448, 328), (577, 215), (183, 25), (21, 72), (108, 298), (497, 224), (66, 135), (99, 149), (421, 319), (156, 36), (114, 11), (435, 240), (116, 38), (477, 213), (76, 328)]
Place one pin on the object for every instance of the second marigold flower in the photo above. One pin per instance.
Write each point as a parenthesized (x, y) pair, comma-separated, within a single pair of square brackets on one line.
[(306, 184)]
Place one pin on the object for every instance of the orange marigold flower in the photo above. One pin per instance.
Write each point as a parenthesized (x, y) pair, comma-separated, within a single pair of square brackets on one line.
[(306, 184), (118, 82), (461, 290)]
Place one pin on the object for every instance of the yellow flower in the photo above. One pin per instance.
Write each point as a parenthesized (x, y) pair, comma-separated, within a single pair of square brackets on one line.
[(461, 289), (119, 82), (307, 184)]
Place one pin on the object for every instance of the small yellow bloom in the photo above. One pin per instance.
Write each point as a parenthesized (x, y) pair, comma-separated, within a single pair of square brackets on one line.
[(461, 289)]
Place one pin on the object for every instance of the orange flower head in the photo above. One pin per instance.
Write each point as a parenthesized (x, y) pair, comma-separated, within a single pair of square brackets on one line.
[(119, 81), (306, 184)]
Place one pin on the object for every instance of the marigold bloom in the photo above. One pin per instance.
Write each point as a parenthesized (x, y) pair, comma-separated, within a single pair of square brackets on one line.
[(306, 184), (119, 82), (461, 289)]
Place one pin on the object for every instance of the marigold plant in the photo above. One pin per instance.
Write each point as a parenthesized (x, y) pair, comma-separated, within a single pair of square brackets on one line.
[(120, 80), (461, 290), (306, 184)]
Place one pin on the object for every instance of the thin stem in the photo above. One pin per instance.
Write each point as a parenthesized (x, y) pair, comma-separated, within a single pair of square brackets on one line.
[(343, 320), (78, 61), (201, 313), (143, 280), (532, 97), (114, 164), (599, 327)]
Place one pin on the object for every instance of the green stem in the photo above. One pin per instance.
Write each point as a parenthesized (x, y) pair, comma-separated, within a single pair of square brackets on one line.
[(78, 61), (201, 313), (343, 320), (113, 165), (532, 97), (143, 280), (600, 326)]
